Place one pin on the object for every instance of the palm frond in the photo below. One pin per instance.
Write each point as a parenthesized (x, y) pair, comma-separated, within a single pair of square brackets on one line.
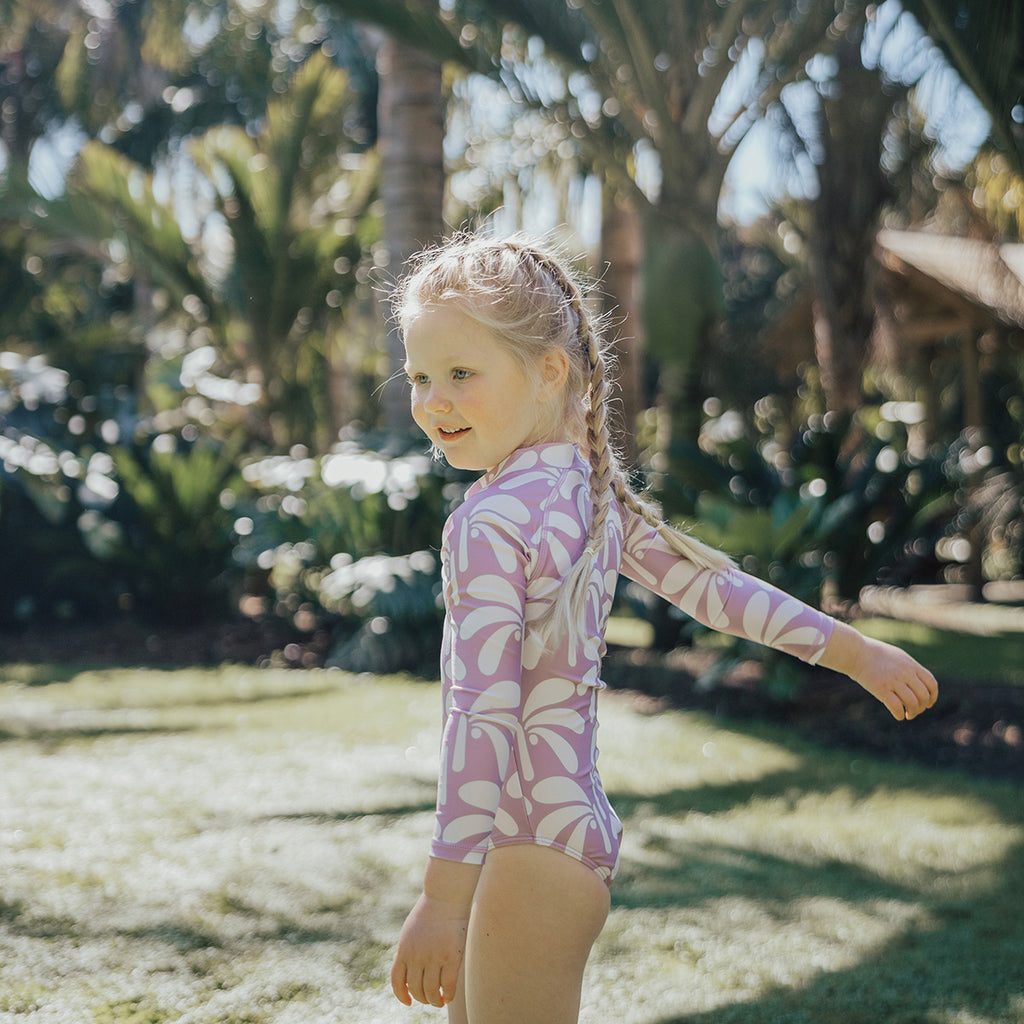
[(418, 23), (985, 44)]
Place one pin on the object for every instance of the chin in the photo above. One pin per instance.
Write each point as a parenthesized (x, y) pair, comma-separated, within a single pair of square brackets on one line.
[(470, 465)]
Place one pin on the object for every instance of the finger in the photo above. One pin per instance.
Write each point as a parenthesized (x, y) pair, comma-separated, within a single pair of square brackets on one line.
[(908, 702), (449, 981), (894, 704), (919, 695), (398, 985), (415, 985), (914, 702), (434, 994), (924, 688)]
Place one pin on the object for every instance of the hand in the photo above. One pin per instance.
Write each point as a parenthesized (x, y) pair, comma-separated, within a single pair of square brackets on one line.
[(430, 951), (889, 674), (892, 676)]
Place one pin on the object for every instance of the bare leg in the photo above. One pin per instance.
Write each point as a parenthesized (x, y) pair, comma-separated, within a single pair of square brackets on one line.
[(535, 916)]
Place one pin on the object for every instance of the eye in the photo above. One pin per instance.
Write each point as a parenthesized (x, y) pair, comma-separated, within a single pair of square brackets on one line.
[(461, 374), (416, 379)]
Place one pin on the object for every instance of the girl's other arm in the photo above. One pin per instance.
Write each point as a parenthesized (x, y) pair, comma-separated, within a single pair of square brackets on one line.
[(433, 940), (889, 674)]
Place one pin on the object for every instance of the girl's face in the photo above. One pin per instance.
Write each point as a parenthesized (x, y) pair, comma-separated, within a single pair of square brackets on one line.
[(469, 395)]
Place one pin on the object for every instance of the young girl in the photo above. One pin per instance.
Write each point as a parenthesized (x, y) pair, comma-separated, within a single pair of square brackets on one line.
[(509, 377)]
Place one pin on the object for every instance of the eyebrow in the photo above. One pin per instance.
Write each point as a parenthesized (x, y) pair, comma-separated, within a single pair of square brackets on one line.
[(465, 362)]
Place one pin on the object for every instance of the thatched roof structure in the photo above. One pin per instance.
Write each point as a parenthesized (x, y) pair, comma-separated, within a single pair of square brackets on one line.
[(934, 290), (949, 285)]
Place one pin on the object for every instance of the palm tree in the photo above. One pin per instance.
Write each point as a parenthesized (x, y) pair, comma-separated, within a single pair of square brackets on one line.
[(985, 44), (656, 95), (271, 295), (411, 144), (298, 229), (852, 116)]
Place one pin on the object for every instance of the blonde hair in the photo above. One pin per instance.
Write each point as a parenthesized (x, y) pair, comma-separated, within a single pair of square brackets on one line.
[(528, 298)]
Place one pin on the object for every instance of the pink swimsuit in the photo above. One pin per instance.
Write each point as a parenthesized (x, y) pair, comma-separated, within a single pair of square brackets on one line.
[(519, 752)]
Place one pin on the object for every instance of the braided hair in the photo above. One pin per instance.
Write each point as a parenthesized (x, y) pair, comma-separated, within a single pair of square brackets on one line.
[(526, 295)]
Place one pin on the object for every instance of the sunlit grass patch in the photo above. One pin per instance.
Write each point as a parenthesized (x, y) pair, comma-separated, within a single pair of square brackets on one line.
[(247, 851), (765, 879)]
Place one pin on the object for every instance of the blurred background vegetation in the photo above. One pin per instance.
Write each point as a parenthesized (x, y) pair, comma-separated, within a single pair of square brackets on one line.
[(807, 218)]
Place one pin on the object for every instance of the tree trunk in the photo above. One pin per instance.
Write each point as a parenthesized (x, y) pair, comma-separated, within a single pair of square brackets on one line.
[(620, 261), (411, 119), (682, 304), (844, 223)]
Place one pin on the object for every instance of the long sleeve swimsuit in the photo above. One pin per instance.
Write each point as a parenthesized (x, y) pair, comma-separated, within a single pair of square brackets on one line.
[(518, 749)]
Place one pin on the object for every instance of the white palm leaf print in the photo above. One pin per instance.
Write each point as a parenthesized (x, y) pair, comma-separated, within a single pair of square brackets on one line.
[(503, 821), (644, 576), (482, 795), (560, 456), (773, 628), (497, 609), (563, 539), (490, 520), (546, 718), (573, 808), (494, 716), (525, 479), (687, 584)]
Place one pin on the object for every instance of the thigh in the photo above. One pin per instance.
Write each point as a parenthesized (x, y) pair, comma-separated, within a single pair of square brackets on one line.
[(535, 917)]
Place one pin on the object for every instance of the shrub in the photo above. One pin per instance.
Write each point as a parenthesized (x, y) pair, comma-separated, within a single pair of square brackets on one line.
[(175, 534), (49, 572), (348, 541)]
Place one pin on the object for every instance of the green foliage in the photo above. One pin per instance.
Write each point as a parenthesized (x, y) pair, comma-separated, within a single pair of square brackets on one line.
[(49, 574), (68, 62), (176, 529), (299, 222), (990, 500), (836, 507), (294, 190), (389, 607), (53, 482), (349, 540)]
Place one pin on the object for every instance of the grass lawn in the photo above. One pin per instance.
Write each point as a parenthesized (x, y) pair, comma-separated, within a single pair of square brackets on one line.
[(241, 846)]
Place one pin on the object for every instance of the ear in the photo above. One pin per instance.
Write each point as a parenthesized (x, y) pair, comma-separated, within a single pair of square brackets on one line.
[(554, 372)]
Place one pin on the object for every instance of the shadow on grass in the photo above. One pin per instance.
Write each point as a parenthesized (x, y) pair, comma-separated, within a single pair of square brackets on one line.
[(52, 736), (964, 966), (960, 960), (384, 813), (49, 724), (44, 674), (264, 927)]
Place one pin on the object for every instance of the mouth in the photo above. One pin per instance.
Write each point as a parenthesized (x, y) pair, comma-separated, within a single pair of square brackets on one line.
[(452, 435)]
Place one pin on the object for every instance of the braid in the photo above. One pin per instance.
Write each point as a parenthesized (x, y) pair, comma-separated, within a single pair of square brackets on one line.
[(519, 289), (603, 463), (607, 479)]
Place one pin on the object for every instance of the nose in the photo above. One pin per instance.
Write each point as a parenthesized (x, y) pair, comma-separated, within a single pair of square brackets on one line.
[(436, 401)]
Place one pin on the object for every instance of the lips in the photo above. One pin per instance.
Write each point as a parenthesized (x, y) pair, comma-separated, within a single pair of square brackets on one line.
[(452, 435)]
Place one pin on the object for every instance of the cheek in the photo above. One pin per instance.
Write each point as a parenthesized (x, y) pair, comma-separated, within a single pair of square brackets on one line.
[(416, 404)]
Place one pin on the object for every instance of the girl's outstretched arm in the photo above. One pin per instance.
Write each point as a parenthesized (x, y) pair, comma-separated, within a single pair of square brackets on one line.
[(739, 604), (889, 674)]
